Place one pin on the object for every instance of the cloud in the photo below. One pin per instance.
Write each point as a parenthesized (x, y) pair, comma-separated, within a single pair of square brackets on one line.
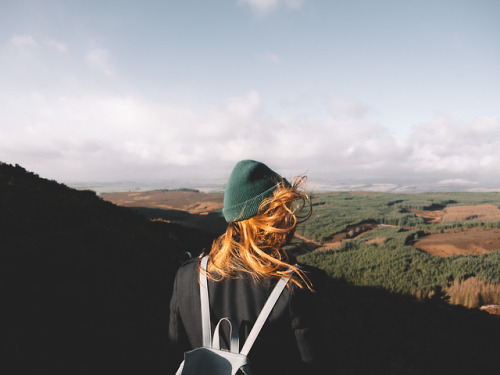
[(457, 181), (99, 59), (113, 137), (23, 41), (244, 106), (26, 40), (94, 136), (264, 7), (450, 145), (58, 46)]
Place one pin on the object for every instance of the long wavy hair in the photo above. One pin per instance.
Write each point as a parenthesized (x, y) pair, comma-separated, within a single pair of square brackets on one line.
[(255, 245)]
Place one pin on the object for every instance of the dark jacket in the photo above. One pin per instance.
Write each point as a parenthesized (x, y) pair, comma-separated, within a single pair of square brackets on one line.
[(290, 340)]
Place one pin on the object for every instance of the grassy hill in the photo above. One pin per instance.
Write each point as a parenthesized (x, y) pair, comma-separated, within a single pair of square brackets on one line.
[(86, 286)]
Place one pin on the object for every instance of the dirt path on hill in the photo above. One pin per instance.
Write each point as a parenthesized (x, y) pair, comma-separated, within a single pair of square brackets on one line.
[(311, 245), (336, 242)]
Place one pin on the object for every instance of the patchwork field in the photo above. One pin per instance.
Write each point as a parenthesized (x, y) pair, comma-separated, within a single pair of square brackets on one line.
[(475, 241), (431, 245), (449, 242), (485, 212), (465, 239)]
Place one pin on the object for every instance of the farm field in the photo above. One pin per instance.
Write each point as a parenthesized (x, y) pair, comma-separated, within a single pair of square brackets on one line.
[(186, 200), (475, 241)]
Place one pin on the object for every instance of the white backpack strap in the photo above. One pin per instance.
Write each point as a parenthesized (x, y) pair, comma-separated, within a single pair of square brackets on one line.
[(264, 314), (205, 305), (233, 333)]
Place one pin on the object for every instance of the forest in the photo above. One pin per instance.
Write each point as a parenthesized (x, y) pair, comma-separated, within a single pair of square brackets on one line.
[(386, 257), (335, 212)]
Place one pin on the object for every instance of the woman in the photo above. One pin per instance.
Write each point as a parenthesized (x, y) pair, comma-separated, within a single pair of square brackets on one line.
[(244, 265)]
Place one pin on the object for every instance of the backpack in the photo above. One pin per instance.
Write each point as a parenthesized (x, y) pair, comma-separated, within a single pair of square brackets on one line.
[(210, 358)]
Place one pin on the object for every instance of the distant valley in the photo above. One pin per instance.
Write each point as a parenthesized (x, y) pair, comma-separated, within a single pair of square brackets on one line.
[(347, 224)]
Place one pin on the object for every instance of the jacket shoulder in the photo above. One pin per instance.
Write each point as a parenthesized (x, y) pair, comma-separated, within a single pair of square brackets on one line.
[(187, 269)]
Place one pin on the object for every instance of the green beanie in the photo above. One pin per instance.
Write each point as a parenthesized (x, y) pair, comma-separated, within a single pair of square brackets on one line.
[(249, 184)]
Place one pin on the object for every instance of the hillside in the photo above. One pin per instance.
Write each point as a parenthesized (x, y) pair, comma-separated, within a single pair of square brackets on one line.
[(86, 286), (86, 283)]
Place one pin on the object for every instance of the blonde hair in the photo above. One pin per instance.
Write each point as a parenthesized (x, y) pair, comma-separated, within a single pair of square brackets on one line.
[(255, 245)]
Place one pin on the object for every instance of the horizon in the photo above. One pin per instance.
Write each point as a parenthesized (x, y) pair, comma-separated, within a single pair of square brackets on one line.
[(218, 186), (106, 91), (414, 185)]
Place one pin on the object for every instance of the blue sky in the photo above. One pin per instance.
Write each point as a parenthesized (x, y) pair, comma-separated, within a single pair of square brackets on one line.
[(151, 90)]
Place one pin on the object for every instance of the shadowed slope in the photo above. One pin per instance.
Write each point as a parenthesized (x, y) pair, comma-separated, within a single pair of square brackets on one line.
[(86, 284)]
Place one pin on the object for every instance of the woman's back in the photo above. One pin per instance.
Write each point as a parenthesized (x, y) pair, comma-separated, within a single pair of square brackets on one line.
[(287, 342)]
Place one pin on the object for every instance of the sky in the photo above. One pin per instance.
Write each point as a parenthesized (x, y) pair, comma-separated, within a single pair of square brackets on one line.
[(383, 90)]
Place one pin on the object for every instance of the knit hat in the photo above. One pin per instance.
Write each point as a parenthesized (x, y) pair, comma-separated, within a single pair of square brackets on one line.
[(249, 184)]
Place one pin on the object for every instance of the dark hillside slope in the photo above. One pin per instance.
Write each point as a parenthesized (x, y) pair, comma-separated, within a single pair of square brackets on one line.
[(85, 284)]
